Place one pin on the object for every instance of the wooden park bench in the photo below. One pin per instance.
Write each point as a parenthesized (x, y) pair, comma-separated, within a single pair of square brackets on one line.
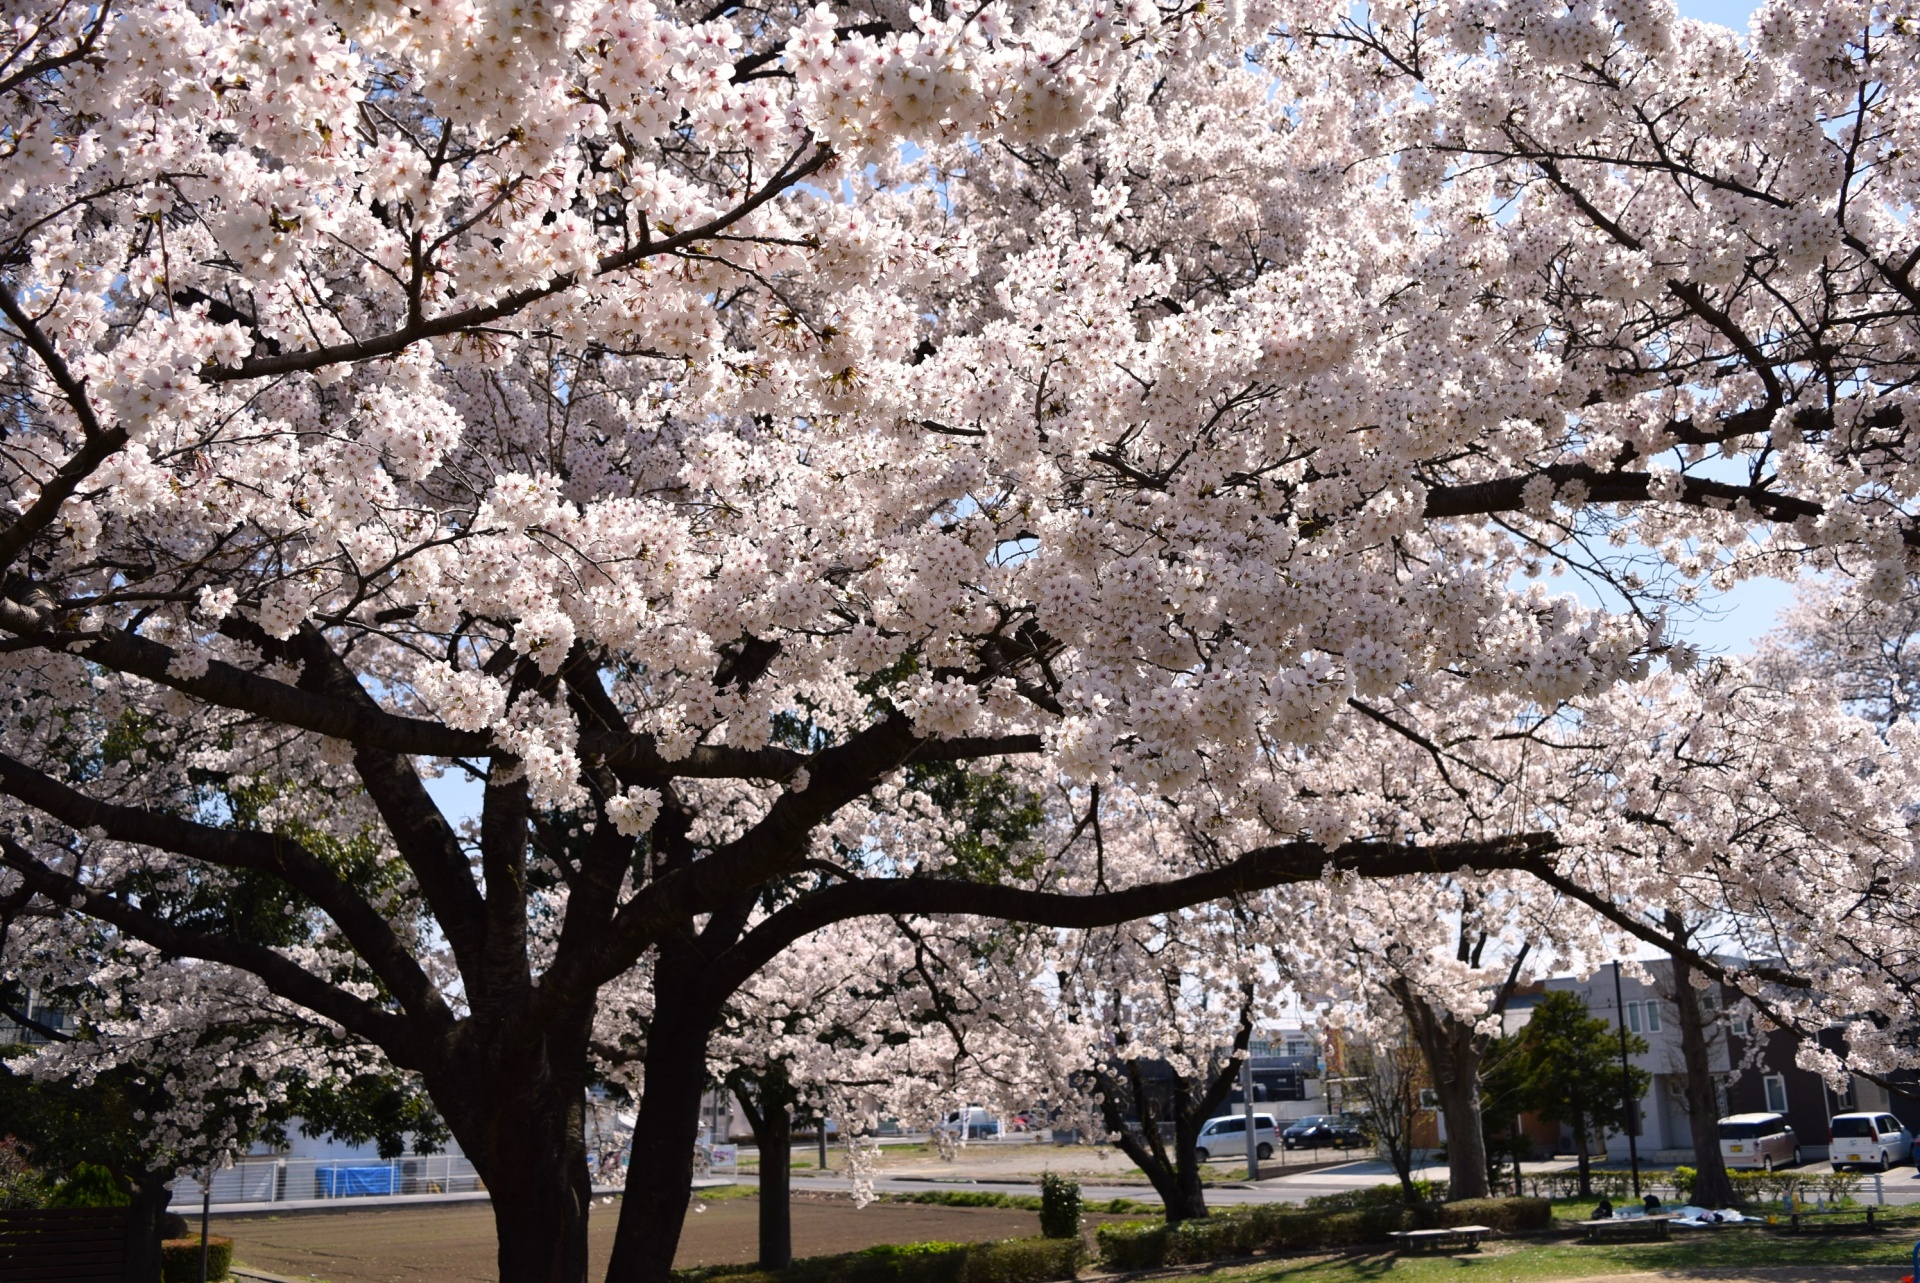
[(1627, 1227), (1832, 1220), (1463, 1237)]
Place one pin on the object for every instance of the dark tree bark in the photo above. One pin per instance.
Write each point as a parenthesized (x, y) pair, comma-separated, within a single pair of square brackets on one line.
[(518, 1106), (1712, 1187), (1454, 1049), (147, 1202), (660, 1174), (1175, 1177), (767, 1100)]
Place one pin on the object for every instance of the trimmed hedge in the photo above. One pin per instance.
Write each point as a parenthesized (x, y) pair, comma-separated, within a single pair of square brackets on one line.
[(1508, 1215), (1245, 1231), (1020, 1202), (180, 1259), (1749, 1188), (1018, 1260)]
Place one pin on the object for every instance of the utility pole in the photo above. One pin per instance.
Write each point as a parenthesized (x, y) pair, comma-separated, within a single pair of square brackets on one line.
[(206, 1213), (1631, 1107), (1253, 1142)]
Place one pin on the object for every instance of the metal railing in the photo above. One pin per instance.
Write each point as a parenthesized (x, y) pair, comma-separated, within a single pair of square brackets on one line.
[(254, 1181)]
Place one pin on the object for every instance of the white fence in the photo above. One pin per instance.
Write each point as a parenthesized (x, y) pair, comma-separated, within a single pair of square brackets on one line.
[(284, 1180)]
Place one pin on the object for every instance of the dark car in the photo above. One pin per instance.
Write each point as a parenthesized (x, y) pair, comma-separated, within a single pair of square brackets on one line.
[(1323, 1131)]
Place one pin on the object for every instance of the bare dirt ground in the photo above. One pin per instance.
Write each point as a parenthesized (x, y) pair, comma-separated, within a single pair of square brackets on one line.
[(454, 1244)]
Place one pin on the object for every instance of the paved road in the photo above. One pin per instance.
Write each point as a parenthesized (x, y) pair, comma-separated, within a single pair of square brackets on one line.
[(1901, 1185)]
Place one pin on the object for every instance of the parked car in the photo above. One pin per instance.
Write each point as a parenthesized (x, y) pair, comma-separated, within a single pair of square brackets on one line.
[(1324, 1131), (1227, 1137), (1869, 1140), (973, 1123), (1758, 1140)]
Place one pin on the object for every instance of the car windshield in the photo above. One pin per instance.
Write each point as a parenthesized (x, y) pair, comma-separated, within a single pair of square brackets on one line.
[(1852, 1127)]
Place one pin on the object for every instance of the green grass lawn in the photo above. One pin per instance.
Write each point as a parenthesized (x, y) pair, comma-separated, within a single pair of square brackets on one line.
[(1513, 1263)]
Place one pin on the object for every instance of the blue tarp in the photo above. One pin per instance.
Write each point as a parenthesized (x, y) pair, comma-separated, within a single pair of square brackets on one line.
[(352, 1182)]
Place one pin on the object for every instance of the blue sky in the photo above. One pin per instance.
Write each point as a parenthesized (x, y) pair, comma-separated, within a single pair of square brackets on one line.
[(1731, 621)]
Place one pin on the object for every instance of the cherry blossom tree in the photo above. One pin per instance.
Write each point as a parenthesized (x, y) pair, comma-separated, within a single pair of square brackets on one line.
[(598, 404)]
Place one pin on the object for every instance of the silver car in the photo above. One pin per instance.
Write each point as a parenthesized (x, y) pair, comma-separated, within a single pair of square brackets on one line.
[(1758, 1140)]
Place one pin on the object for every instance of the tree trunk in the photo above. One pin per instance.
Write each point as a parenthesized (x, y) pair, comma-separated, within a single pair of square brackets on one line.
[(1452, 1050), (1582, 1157), (146, 1227), (1711, 1187), (518, 1107), (660, 1176), (769, 1112)]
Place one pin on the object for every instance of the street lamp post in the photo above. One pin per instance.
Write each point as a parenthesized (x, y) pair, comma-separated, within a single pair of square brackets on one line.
[(1631, 1110), (1253, 1133)]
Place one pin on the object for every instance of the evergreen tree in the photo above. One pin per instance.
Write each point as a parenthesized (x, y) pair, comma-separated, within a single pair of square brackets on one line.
[(1566, 1067)]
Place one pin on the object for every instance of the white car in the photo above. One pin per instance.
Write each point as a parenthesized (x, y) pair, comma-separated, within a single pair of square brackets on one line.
[(1227, 1137), (1869, 1140), (1758, 1140)]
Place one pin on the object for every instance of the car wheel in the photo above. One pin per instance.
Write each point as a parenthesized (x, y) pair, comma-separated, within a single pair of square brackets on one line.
[(1797, 1160), (1202, 1154), (1264, 1151), (1767, 1162), (1884, 1163)]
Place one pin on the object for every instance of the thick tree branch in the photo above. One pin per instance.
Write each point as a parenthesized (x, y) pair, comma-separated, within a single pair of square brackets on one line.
[(390, 1032), (1256, 870), (370, 933)]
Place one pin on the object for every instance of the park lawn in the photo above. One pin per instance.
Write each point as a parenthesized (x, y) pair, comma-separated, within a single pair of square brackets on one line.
[(1512, 1262)]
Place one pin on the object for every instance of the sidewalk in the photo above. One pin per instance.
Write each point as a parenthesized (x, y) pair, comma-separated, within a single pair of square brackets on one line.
[(388, 1200)]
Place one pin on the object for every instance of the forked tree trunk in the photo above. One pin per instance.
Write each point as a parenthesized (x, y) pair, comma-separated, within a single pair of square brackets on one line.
[(1175, 1177), (1453, 1051), (767, 1101)]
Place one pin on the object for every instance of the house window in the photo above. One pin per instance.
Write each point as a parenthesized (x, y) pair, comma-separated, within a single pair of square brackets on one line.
[(1653, 1016), (1742, 1027), (1633, 1016), (1844, 1102), (1776, 1093)]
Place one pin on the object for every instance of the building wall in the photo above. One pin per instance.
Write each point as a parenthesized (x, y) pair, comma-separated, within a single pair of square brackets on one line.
[(1648, 1012)]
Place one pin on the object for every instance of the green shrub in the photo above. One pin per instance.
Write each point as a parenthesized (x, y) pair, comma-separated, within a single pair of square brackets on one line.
[(967, 1198), (1279, 1227), (89, 1185), (1352, 1200), (1213, 1238), (1025, 1260), (1508, 1215), (1137, 1245), (1059, 1207), (1028, 1260), (180, 1259), (1684, 1179), (1837, 1187)]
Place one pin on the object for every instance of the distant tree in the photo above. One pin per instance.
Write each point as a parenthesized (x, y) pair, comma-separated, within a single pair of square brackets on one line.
[(1566, 1067), (1386, 1072)]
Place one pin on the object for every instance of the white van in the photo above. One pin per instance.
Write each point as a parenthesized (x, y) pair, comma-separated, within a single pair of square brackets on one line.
[(1227, 1137), (971, 1123), (1869, 1140), (1758, 1140)]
